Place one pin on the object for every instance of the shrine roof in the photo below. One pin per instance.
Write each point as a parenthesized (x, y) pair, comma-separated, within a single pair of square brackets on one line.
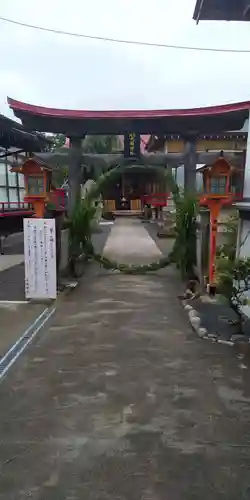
[(209, 119), (218, 10), (13, 134)]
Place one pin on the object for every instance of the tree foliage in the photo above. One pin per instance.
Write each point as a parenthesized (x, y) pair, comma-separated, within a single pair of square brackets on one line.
[(59, 176), (233, 279), (100, 144), (229, 247), (95, 144), (233, 274), (58, 141)]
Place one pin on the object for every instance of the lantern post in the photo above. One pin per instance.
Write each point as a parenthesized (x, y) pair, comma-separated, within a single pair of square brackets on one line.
[(218, 190)]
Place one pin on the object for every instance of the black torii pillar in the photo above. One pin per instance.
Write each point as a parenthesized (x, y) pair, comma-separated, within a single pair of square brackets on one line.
[(75, 157), (190, 162)]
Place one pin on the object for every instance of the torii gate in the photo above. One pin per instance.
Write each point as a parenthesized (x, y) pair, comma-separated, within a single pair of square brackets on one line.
[(76, 124)]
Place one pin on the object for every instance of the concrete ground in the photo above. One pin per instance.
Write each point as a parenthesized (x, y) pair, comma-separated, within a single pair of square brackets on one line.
[(12, 283), (13, 244), (164, 244), (12, 269), (14, 320), (7, 261), (12, 266), (119, 400)]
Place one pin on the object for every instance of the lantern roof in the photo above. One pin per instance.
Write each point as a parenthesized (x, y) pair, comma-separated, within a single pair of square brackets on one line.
[(40, 162), (220, 159), (31, 161)]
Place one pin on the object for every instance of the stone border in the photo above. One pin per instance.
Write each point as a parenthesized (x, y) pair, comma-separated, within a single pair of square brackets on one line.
[(195, 321)]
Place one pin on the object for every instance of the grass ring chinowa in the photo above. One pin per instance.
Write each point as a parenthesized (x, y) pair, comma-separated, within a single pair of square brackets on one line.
[(96, 191)]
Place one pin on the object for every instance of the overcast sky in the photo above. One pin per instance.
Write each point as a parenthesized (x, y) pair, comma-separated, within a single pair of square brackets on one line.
[(69, 72)]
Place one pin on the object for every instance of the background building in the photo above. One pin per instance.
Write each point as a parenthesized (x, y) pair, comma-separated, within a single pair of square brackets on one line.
[(16, 143), (11, 184)]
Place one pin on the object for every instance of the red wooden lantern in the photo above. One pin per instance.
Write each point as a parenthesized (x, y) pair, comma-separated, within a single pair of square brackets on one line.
[(222, 185), (37, 180)]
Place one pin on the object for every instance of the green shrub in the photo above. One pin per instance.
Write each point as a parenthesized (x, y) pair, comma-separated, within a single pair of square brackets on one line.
[(233, 279), (80, 226), (184, 252)]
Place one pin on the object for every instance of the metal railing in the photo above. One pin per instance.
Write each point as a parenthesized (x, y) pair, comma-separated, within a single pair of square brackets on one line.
[(13, 206)]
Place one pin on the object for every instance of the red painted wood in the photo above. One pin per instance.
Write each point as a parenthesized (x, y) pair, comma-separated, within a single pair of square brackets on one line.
[(145, 113), (14, 213)]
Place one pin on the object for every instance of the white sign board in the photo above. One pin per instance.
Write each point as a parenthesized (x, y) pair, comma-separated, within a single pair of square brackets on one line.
[(40, 258)]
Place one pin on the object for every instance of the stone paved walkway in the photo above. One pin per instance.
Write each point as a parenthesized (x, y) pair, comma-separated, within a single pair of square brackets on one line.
[(131, 243), (119, 400)]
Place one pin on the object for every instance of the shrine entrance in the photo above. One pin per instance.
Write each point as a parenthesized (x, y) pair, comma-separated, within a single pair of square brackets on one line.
[(129, 190)]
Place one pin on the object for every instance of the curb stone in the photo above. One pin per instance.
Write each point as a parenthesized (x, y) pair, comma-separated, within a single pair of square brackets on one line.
[(195, 322)]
